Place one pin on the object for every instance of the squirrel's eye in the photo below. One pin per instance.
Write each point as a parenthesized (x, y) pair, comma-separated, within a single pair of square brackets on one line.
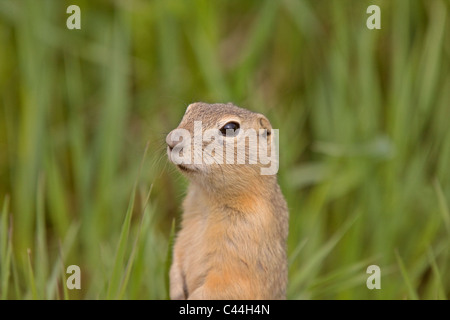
[(231, 127)]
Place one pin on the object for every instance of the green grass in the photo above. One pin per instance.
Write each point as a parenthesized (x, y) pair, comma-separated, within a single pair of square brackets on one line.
[(364, 139)]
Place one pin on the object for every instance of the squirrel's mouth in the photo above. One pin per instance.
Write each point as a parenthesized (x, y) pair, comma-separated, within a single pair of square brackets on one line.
[(184, 168)]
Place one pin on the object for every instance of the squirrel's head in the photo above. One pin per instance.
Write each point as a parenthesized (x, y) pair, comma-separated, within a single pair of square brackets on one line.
[(219, 144)]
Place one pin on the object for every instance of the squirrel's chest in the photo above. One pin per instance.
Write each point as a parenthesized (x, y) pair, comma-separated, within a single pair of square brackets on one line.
[(195, 247)]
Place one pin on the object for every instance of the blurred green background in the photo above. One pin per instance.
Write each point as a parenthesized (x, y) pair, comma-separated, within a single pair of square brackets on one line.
[(364, 119)]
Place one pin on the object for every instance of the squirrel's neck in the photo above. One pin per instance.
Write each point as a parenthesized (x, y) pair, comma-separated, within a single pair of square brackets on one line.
[(243, 196)]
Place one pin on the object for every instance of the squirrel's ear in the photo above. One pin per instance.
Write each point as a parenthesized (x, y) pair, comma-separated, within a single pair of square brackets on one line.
[(264, 124)]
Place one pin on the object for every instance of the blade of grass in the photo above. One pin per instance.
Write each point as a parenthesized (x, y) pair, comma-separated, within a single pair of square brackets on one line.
[(297, 250), (4, 227), (321, 254), (4, 246), (63, 273), (120, 253), (7, 266), (6, 257), (440, 291), (256, 43), (15, 272), (431, 66), (442, 204), (41, 243), (31, 280), (204, 41), (169, 259), (58, 266), (134, 250), (409, 286)]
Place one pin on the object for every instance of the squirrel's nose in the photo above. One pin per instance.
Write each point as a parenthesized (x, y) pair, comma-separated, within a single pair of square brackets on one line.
[(170, 143)]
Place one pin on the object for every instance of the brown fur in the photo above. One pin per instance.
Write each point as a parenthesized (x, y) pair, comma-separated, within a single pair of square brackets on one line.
[(232, 242)]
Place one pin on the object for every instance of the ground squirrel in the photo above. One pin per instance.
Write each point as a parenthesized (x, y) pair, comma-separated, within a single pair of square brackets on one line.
[(232, 241)]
